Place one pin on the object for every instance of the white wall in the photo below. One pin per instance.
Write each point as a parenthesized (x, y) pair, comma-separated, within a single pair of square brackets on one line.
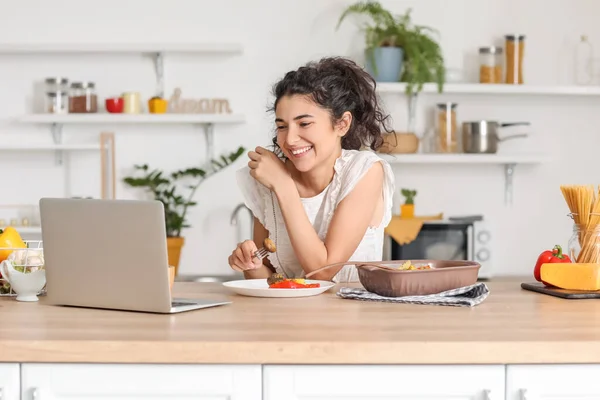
[(281, 35)]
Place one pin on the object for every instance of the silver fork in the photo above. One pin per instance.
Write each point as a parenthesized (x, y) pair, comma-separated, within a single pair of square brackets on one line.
[(261, 253), (268, 247)]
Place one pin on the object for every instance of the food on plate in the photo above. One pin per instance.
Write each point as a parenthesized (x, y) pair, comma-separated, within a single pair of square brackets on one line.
[(549, 256), (573, 276), (269, 245), (293, 284), (408, 266), (277, 281), (27, 260), (275, 278), (10, 240)]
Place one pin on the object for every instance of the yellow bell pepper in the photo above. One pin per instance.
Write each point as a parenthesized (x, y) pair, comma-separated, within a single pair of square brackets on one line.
[(10, 239)]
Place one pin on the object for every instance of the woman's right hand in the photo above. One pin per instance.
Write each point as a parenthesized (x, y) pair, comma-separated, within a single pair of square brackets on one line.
[(243, 259)]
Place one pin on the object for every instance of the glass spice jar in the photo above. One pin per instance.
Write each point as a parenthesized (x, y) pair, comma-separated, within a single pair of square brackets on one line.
[(446, 128), (515, 49), (57, 84), (83, 98), (57, 102), (584, 244), (490, 64)]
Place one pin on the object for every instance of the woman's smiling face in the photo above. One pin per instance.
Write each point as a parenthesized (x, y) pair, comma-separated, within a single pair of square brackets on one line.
[(305, 132)]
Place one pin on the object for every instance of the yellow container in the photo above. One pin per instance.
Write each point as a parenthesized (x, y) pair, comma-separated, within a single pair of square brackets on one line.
[(156, 105)]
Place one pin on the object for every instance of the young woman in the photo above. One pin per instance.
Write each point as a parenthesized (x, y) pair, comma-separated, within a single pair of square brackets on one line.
[(318, 197)]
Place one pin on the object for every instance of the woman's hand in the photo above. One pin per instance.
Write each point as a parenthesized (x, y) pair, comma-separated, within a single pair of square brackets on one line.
[(243, 259), (268, 169)]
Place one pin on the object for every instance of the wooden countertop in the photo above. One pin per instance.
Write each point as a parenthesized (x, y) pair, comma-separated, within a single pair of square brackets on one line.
[(510, 326)]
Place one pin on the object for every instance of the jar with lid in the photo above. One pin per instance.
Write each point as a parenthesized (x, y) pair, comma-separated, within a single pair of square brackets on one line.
[(490, 64), (83, 98), (584, 244), (57, 84), (515, 49), (446, 128), (57, 102), (584, 61)]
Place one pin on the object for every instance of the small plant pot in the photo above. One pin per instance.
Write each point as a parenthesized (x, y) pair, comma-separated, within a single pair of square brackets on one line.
[(174, 245), (407, 211), (388, 63)]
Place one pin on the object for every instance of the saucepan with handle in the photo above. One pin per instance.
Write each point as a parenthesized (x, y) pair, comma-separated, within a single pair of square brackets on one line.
[(481, 137)]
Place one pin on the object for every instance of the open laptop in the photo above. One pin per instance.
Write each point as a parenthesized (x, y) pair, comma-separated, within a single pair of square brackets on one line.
[(109, 254)]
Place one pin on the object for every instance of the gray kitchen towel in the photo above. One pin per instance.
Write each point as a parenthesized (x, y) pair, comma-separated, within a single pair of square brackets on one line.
[(467, 296)]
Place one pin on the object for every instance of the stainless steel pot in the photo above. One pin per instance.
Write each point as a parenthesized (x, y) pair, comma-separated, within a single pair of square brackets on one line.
[(481, 137)]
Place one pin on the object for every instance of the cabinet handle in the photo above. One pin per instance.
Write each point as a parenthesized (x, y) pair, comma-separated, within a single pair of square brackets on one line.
[(487, 394), (35, 395)]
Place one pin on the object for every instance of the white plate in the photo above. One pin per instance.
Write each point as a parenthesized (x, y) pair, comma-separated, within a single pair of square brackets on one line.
[(260, 288)]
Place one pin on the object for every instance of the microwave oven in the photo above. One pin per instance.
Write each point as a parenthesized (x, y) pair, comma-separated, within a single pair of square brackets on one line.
[(457, 238)]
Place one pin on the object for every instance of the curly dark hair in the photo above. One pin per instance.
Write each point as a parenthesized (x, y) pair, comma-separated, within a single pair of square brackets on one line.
[(339, 85)]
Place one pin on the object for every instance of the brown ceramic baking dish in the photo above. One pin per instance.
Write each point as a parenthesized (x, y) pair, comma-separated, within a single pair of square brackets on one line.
[(384, 279)]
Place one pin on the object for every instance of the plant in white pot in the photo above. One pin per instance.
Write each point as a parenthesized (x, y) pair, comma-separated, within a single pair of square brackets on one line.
[(396, 50)]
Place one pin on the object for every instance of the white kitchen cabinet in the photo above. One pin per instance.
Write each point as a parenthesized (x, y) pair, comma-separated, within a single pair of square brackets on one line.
[(10, 383), (556, 382), (370, 382), (148, 381)]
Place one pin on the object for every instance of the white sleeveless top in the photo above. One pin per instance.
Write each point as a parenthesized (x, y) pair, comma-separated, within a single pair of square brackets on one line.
[(349, 168)]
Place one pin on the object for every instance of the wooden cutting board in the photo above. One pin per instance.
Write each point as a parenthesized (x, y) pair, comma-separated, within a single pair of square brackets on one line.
[(562, 293)]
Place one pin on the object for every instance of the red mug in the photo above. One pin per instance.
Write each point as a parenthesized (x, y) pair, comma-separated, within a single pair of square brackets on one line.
[(114, 104)]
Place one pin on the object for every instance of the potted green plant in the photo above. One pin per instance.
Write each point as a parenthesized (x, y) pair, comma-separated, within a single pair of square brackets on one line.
[(407, 210), (166, 188), (396, 50)]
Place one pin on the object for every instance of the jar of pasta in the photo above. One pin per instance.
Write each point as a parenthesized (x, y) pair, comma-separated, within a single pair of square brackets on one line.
[(490, 65), (515, 48), (446, 128)]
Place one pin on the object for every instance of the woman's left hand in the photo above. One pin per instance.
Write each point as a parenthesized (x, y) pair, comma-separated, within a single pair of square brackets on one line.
[(267, 168)]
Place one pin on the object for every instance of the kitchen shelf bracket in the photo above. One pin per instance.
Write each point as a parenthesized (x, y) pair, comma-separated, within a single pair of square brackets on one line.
[(509, 171), (159, 67), (209, 134), (57, 136)]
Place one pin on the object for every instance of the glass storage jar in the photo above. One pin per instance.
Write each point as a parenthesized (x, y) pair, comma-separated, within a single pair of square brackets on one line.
[(83, 98), (57, 102), (515, 49), (446, 128), (584, 244), (490, 64), (57, 84)]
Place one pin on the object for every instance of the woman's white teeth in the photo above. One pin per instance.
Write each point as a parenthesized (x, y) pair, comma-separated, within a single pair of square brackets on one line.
[(302, 150)]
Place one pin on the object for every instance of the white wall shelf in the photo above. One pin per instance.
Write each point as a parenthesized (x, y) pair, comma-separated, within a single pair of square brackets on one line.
[(509, 161), (156, 50), (494, 89), (107, 118), (207, 121), (27, 229), (461, 158), (106, 146), (116, 48), (49, 147)]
